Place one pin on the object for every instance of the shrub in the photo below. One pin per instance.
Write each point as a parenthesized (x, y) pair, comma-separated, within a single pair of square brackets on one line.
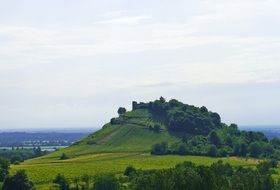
[(106, 182), (129, 170), (64, 157), (62, 182), (160, 149), (16, 159), (90, 142)]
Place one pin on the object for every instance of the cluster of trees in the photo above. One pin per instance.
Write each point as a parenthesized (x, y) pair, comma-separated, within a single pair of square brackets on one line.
[(225, 141), (185, 176), (121, 118), (17, 155), (218, 176), (19, 181), (106, 181), (203, 133), (181, 117)]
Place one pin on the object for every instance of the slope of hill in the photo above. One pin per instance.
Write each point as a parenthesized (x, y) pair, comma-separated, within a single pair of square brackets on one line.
[(133, 135)]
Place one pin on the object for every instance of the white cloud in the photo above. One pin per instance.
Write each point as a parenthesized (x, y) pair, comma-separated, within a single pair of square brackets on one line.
[(125, 20), (134, 50)]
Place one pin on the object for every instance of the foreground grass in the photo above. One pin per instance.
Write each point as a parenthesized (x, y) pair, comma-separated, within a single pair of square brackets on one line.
[(43, 170)]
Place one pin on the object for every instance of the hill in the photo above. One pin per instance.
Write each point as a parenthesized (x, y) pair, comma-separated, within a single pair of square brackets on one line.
[(172, 127), (172, 130), (145, 125)]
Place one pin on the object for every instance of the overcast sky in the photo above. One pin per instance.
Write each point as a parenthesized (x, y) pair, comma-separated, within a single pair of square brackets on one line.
[(72, 63)]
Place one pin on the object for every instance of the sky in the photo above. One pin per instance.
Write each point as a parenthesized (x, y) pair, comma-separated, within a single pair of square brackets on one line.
[(71, 64)]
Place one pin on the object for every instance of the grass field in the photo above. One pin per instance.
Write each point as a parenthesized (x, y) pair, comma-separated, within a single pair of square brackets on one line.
[(43, 170)]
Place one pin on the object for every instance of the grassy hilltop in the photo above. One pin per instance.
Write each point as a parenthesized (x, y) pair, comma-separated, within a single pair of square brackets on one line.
[(190, 133)]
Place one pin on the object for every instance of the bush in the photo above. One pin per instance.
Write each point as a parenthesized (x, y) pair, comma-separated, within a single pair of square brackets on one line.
[(62, 182), (106, 182), (129, 170), (16, 159), (64, 157), (91, 142), (182, 149), (160, 149)]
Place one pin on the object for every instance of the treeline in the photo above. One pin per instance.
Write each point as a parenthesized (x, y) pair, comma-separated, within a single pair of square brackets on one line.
[(17, 155), (185, 176), (218, 176), (181, 117), (202, 133), (225, 141)]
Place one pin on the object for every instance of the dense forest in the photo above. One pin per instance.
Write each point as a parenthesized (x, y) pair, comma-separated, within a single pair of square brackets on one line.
[(202, 132)]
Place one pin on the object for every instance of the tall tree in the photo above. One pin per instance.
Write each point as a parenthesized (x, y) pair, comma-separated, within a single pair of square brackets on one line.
[(121, 111), (4, 167), (19, 181), (214, 138)]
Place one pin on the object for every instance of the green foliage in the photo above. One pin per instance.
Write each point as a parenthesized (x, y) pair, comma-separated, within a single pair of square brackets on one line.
[(106, 182), (160, 149), (240, 148), (255, 149), (16, 159), (19, 181), (4, 168), (214, 138), (183, 117), (274, 163), (24, 154), (64, 157), (129, 170), (61, 181), (121, 111), (86, 179), (157, 128), (213, 152), (218, 176)]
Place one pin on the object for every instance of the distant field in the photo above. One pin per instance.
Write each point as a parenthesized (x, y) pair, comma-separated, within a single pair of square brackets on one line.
[(43, 170)]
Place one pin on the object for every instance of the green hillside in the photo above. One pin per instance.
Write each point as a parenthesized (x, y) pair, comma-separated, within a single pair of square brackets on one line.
[(133, 135)]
